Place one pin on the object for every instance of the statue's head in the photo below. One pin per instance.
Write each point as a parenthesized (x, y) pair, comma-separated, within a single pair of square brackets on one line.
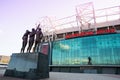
[(33, 29), (27, 30)]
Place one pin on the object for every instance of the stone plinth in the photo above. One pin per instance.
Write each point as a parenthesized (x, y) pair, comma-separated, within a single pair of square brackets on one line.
[(28, 66)]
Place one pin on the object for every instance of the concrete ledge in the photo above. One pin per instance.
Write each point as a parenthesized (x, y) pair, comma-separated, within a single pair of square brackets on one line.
[(96, 69)]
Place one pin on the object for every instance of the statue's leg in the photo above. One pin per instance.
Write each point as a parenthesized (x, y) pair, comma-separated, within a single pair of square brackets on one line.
[(34, 48), (28, 49), (37, 46), (21, 50), (24, 45), (31, 44)]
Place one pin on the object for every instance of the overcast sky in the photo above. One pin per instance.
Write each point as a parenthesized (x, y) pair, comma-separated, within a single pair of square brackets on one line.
[(18, 15)]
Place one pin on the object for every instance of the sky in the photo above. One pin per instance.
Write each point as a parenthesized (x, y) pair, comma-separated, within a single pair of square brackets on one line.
[(18, 15)]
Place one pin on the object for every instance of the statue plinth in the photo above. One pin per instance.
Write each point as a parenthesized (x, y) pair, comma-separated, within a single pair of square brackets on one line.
[(28, 66)]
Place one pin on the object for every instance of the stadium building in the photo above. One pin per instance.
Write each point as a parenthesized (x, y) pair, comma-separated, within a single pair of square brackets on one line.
[(87, 42), (4, 59)]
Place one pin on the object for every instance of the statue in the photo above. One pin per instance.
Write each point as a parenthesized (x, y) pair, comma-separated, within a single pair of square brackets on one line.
[(89, 61), (38, 39), (31, 39), (25, 39)]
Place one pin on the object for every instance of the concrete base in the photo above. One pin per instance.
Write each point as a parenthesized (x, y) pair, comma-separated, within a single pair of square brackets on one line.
[(95, 69), (28, 66)]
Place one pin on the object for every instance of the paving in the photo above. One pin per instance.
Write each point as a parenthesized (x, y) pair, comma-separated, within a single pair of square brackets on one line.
[(69, 76)]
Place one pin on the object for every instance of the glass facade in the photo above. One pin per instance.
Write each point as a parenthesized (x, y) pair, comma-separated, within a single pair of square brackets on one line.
[(102, 49)]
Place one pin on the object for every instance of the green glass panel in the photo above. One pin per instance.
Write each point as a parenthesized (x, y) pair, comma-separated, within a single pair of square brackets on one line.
[(103, 50)]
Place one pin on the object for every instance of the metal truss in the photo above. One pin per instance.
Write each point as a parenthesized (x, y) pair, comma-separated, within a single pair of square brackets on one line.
[(85, 18)]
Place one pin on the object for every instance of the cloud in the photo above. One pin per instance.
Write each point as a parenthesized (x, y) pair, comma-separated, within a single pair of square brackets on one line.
[(65, 47)]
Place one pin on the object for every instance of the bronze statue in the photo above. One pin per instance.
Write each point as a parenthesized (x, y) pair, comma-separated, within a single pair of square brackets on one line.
[(38, 39), (25, 39), (31, 39)]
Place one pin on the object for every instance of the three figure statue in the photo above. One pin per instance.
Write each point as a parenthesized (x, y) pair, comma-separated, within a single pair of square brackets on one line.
[(34, 33)]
